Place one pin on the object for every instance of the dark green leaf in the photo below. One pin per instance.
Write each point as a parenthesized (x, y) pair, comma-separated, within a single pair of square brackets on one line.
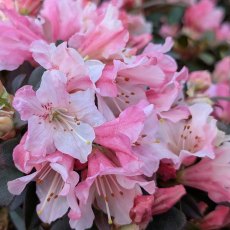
[(62, 223), (175, 15), (190, 207), (17, 219), (31, 201), (35, 77), (207, 58), (7, 170), (17, 201), (171, 220)]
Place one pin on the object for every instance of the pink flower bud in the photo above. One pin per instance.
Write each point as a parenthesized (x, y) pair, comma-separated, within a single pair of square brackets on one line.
[(142, 209)]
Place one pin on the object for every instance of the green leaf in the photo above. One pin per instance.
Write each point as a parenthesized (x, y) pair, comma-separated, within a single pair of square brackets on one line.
[(207, 58), (7, 170), (62, 223), (31, 218), (35, 77), (175, 15), (17, 219), (190, 207), (171, 220)]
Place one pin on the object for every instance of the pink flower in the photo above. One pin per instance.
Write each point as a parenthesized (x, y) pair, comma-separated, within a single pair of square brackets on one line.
[(223, 32), (109, 188), (166, 198), (141, 212), (199, 81), (18, 32), (203, 16), (169, 30), (81, 74), (210, 175), (217, 219), (105, 39), (146, 206), (22, 157), (121, 133), (123, 85), (139, 30), (193, 136), (59, 15), (64, 121), (166, 171), (56, 181), (158, 52), (222, 108), (222, 70), (166, 99)]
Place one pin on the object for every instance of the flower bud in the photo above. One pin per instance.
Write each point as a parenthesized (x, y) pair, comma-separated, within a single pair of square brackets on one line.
[(199, 81)]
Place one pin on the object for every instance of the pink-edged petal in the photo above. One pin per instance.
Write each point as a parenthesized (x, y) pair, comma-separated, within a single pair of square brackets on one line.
[(76, 142), (17, 186), (131, 182), (176, 114), (41, 52), (21, 156), (95, 69), (47, 93), (119, 205), (84, 220), (104, 109), (83, 105), (50, 208), (166, 47), (40, 137), (26, 103), (106, 85)]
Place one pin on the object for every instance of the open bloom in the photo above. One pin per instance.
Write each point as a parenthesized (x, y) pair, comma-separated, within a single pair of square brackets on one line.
[(81, 74), (211, 176), (65, 121), (110, 188), (203, 16), (105, 39), (191, 136), (55, 183), (17, 33)]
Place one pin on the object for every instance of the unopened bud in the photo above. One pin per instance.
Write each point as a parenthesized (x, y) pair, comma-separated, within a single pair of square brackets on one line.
[(199, 81)]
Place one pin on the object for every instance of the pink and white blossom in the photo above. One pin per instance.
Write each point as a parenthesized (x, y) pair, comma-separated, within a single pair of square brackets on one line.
[(55, 184), (65, 120), (110, 188), (206, 174)]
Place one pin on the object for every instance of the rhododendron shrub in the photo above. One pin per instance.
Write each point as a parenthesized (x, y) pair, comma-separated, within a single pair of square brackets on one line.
[(105, 124)]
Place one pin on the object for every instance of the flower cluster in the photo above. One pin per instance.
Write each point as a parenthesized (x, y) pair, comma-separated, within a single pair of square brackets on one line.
[(201, 17), (111, 129)]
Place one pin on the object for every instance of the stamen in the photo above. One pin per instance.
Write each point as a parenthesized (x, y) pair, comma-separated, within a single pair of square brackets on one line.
[(116, 185), (107, 182), (68, 125), (54, 185), (106, 201), (114, 101), (97, 186)]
